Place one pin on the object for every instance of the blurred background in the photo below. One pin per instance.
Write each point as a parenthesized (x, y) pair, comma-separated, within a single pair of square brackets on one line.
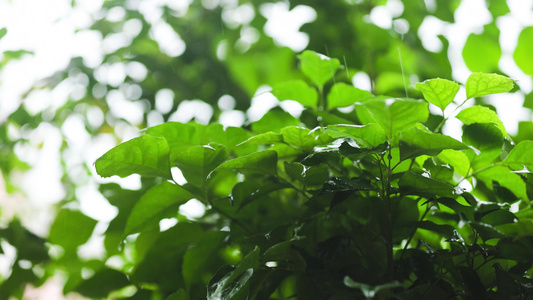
[(78, 77)]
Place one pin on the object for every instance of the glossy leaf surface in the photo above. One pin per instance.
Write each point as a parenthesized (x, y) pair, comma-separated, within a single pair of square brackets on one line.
[(145, 155)]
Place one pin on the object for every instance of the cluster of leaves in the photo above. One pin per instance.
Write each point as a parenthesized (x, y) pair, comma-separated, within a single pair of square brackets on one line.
[(215, 63), (367, 204)]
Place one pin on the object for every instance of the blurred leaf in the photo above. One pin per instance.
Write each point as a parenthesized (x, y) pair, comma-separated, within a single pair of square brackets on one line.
[(439, 92), (522, 52), (317, 67), (480, 114), (70, 229), (159, 202), (3, 32), (296, 90), (482, 84), (198, 259), (342, 95), (28, 245), (102, 283), (370, 291), (482, 52), (415, 142), (145, 155)]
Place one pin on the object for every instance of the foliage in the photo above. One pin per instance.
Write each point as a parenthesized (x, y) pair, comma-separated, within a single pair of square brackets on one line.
[(364, 209), (359, 196)]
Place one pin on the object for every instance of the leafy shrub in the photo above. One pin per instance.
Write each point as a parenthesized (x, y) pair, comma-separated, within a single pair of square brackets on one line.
[(372, 203)]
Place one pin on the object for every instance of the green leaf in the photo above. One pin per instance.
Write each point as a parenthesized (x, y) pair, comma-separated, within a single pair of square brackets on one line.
[(246, 192), (303, 138), (506, 178), (482, 84), (415, 142), (3, 32), (480, 114), (397, 115), (368, 136), (342, 95), (439, 92), (296, 90), (102, 283), (71, 229), (416, 184), (159, 202), (521, 155), (483, 136), (146, 155), (482, 52), (522, 52), (457, 159), (197, 162), (198, 260), (274, 120), (317, 67), (265, 138), (227, 285), (262, 162), (355, 153)]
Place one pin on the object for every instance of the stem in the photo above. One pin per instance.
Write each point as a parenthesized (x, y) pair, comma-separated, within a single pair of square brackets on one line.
[(388, 233)]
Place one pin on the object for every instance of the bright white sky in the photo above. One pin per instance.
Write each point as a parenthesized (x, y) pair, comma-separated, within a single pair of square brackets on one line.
[(48, 29)]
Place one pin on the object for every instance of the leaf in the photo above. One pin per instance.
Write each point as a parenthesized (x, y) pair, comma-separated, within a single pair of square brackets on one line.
[(296, 90), (146, 155), (342, 95), (415, 142), (102, 283), (439, 92), (317, 67), (370, 291), (199, 259), (70, 229), (522, 52), (482, 52), (480, 114), (265, 138), (355, 153), (505, 178), (368, 136), (397, 115), (415, 184), (157, 203), (274, 120), (3, 32), (225, 287), (303, 138), (521, 155), (245, 192), (482, 84), (197, 162), (262, 162), (483, 136), (457, 159)]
